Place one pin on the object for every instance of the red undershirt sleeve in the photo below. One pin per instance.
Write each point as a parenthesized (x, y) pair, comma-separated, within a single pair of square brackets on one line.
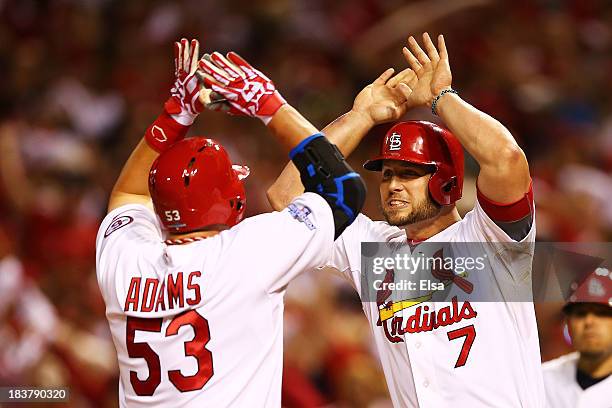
[(515, 219), (510, 212)]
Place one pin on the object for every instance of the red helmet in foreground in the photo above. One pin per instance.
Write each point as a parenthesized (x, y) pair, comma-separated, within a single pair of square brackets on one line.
[(194, 186), (426, 143)]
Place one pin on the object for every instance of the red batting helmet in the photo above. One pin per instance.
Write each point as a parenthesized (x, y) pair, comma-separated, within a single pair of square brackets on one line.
[(426, 143), (596, 288), (194, 186)]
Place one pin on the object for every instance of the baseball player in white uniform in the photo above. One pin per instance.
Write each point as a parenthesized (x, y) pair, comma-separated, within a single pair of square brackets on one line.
[(194, 296), (456, 351), (583, 379)]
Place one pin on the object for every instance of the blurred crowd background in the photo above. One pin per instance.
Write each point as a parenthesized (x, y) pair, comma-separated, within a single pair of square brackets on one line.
[(82, 79)]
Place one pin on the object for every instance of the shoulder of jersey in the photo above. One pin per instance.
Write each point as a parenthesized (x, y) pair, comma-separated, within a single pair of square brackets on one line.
[(561, 361)]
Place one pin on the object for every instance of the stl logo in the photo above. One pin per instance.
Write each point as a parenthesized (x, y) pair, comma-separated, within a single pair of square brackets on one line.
[(395, 141)]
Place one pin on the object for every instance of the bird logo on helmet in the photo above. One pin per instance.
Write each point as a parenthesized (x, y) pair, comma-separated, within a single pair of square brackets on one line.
[(426, 143), (194, 187)]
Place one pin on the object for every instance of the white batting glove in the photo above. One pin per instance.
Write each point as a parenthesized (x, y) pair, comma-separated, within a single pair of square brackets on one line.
[(246, 90), (184, 105)]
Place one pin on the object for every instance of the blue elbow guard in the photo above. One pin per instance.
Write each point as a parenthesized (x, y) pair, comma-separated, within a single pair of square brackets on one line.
[(324, 171)]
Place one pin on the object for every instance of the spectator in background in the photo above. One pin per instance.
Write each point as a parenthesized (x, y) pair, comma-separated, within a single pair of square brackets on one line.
[(73, 101), (582, 379)]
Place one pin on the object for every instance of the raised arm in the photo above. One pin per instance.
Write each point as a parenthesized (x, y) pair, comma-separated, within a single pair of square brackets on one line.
[(241, 89), (379, 102), (180, 110), (318, 164), (504, 172)]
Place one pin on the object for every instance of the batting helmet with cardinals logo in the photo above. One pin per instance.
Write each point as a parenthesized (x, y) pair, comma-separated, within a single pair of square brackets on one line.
[(195, 187), (426, 143), (596, 288)]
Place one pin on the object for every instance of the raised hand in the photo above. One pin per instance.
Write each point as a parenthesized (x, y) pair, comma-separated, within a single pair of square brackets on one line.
[(382, 101), (431, 68), (184, 105), (247, 91)]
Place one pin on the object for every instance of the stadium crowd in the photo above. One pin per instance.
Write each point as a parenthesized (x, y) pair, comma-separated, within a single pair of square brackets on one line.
[(82, 80)]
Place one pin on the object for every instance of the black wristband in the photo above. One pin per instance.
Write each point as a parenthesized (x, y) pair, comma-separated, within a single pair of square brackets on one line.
[(437, 98)]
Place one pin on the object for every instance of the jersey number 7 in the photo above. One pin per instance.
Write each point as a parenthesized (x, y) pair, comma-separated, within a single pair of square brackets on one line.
[(469, 332), (194, 348)]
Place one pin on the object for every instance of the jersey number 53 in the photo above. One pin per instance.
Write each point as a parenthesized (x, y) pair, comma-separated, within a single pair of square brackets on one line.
[(194, 348)]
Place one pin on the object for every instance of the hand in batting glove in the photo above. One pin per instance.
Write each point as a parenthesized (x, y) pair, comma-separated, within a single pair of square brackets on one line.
[(247, 90), (184, 105)]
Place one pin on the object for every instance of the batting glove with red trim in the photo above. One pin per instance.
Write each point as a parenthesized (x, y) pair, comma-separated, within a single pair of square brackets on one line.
[(247, 91), (184, 105)]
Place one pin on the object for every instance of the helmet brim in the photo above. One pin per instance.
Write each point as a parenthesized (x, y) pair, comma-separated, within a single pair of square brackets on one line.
[(377, 163), (373, 165)]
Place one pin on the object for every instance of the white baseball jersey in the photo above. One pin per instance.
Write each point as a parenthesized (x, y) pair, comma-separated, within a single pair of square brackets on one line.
[(201, 324), (476, 354), (563, 391)]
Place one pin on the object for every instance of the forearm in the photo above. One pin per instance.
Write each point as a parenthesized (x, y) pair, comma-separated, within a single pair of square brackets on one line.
[(345, 132), (289, 127), (180, 110), (492, 146), (132, 184), (481, 135)]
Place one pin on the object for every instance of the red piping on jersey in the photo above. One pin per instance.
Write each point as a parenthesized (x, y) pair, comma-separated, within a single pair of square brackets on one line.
[(507, 212), (180, 241)]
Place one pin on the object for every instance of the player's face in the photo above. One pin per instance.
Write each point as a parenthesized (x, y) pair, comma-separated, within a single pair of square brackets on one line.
[(404, 194), (590, 326)]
